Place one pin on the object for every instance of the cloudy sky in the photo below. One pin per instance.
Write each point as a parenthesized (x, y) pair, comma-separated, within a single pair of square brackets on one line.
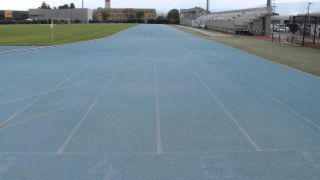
[(160, 5)]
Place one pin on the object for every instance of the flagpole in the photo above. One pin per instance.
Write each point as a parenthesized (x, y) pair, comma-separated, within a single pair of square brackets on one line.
[(52, 35), (51, 26)]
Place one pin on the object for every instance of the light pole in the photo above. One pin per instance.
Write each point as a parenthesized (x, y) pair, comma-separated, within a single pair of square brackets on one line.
[(82, 12), (309, 4), (305, 23), (273, 18)]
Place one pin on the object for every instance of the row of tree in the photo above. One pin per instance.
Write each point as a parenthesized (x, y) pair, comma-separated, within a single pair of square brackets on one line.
[(44, 5)]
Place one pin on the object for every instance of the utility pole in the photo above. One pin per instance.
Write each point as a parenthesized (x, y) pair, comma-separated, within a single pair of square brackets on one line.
[(208, 4)]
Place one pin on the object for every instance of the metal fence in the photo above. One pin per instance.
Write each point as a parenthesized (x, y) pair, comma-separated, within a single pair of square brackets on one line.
[(302, 30)]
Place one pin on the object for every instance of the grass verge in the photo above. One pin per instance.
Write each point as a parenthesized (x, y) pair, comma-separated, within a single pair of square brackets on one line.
[(303, 59), (40, 35)]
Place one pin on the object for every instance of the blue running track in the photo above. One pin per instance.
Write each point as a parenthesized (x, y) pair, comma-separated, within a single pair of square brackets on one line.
[(153, 102)]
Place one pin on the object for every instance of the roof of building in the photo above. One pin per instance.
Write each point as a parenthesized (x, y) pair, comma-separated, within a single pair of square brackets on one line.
[(240, 10), (139, 9)]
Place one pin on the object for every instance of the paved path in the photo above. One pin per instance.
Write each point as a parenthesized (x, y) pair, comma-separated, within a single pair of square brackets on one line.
[(153, 102)]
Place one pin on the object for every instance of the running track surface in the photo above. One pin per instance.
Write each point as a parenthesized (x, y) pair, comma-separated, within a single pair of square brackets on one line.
[(153, 102)]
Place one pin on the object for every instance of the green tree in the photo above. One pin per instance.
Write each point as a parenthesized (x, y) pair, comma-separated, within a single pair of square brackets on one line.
[(139, 14), (65, 6), (44, 5), (72, 6), (173, 16), (96, 15), (101, 15), (131, 16), (201, 10), (105, 15)]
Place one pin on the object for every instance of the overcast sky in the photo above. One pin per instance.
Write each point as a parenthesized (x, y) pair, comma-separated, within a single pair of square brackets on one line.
[(160, 5)]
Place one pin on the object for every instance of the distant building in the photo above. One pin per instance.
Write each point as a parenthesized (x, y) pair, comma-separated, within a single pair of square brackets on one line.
[(70, 15), (123, 14), (118, 14), (280, 20)]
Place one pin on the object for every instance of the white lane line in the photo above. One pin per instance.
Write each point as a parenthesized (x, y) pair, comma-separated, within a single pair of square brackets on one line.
[(23, 79), (68, 44), (156, 96), (281, 78), (87, 112), (158, 119), (46, 113), (276, 100), (43, 95), (25, 49), (75, 129), (76, 84), (295, 84), (228, 113), (95, 153), (68, 106), (19, 99), (265, 60)]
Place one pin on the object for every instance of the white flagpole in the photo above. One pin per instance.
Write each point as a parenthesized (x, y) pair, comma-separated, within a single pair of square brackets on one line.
[(51, 26)]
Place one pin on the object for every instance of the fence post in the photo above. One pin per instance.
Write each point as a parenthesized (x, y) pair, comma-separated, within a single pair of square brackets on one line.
[(272, 28), (304, 29), (279, 36), (315, 30)]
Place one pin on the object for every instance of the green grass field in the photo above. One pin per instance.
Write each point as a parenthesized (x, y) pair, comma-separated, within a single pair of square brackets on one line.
[(301, 58), (40, 35)]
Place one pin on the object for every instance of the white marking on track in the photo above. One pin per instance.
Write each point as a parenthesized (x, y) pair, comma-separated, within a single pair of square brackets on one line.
[(295, 84), (44, 95), (276, 100), (44, 114), (87, 112), (157, 103), (158, 119), (228, 113)]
